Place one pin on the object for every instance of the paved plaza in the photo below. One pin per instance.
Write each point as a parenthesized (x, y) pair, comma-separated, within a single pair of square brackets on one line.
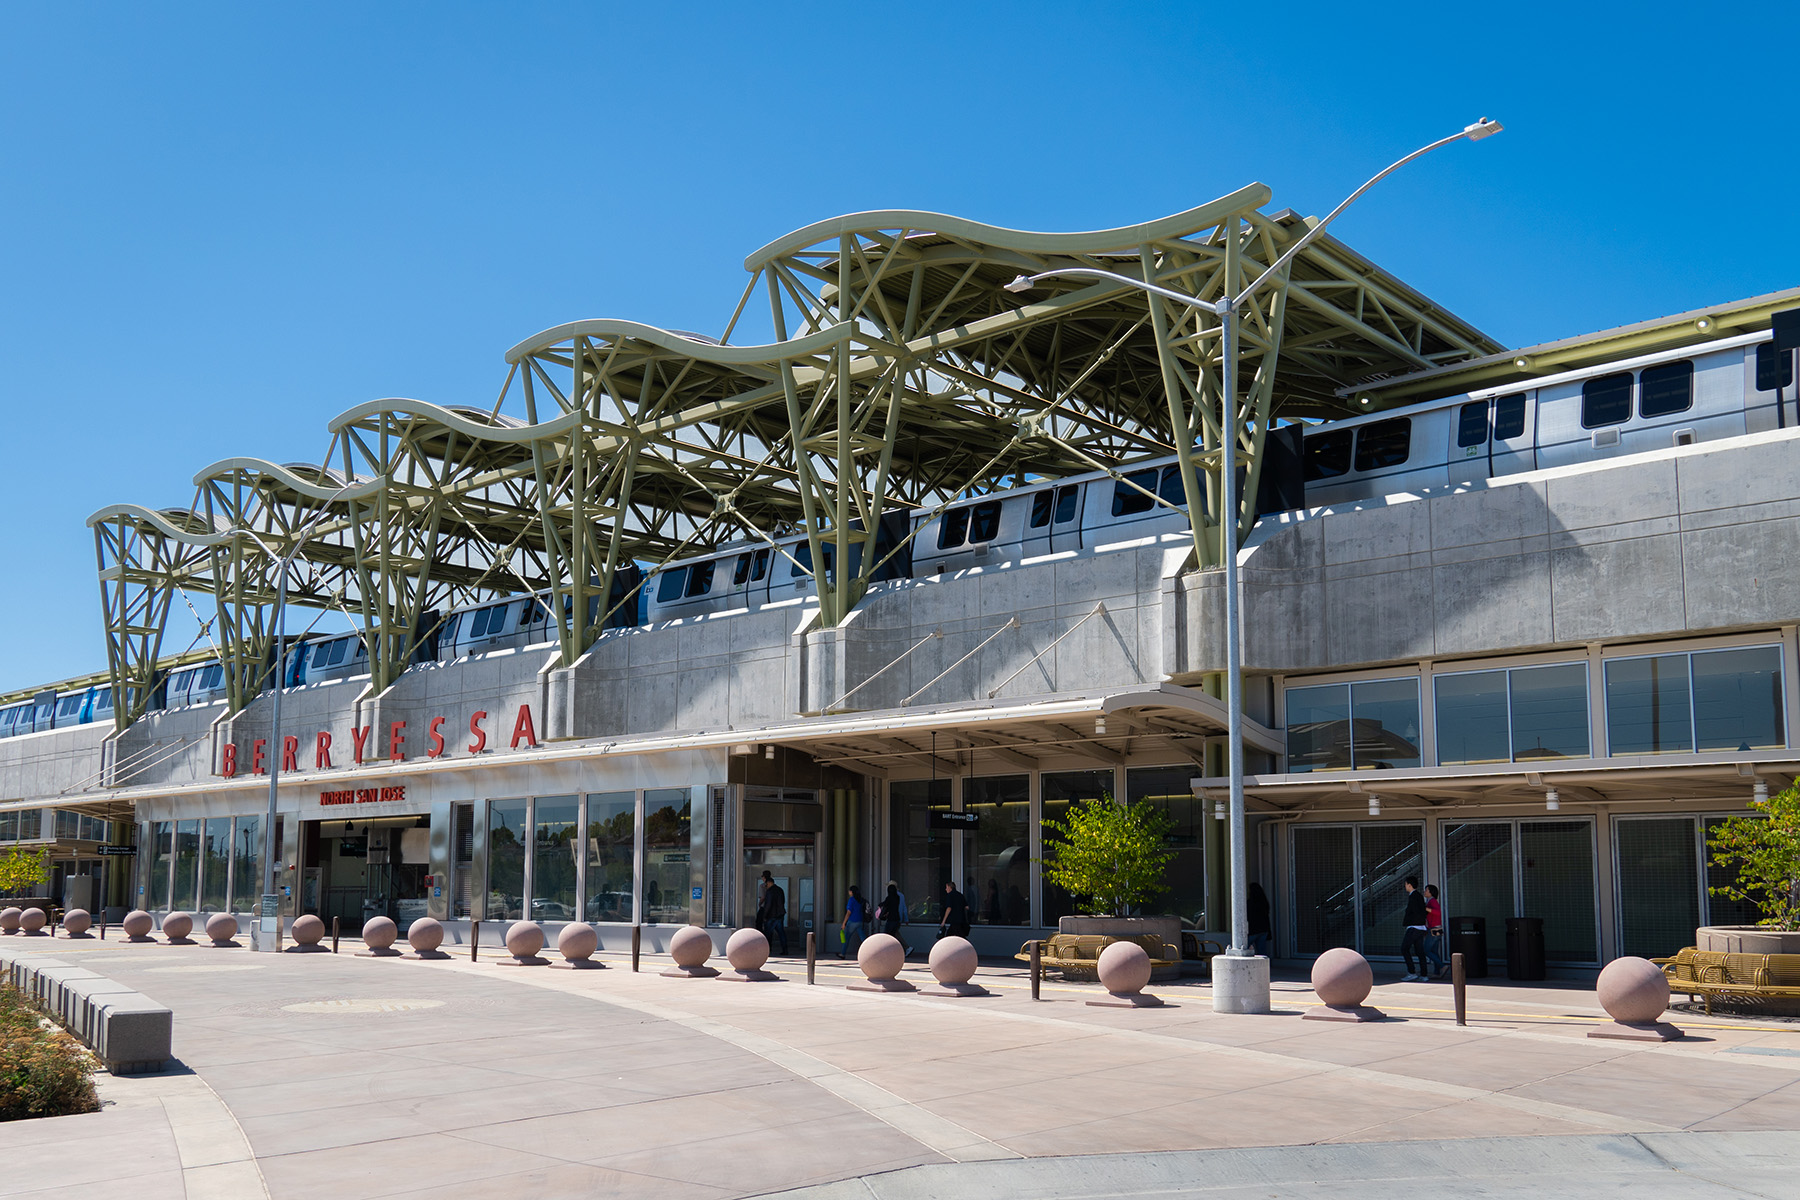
[(307, 1075)]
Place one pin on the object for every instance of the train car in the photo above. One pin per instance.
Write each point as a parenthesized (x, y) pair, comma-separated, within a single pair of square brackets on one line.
[(525, 620), (335, 656), (749, 576)]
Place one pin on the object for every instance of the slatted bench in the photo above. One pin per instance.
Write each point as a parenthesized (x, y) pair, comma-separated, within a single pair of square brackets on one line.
[(1077, 955), (1714, 973)]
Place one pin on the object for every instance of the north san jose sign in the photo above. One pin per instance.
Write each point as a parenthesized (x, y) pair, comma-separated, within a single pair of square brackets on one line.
[(437, 746)]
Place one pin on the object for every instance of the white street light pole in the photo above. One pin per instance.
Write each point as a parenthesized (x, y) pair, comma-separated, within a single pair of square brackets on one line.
[(1239, 993)]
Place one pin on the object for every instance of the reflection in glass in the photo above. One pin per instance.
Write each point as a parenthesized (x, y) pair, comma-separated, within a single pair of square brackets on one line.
[(921, 853), (1556, 865), (553, 859), (1386, 855), (1385, 723), (667, 848), (1737, 699), (187, 865), (1478, 878), (1471, 717), (997, 852), (1659, 884), (1549, 712), (1060, 789), (217, 851), (246, 868), (156, 888), (506, 860), (1166, 789), (1647, 710), (31, 824), (1324, 888), (1723, 910), (612, 853), (1317, 728)]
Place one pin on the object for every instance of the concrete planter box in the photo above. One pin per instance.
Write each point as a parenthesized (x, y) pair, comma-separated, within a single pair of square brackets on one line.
[(1747, 939), (1166, 928)]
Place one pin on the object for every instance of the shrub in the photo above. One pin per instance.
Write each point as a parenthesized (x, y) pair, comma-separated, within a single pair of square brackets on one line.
[(1764, 851), (43, 1071), (1109, 855)]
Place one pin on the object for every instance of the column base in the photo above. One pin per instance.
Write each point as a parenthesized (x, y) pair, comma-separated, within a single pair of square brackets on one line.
[(1240, 985)]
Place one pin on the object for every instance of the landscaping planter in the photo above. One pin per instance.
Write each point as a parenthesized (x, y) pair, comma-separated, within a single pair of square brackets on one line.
[(1747, 939)]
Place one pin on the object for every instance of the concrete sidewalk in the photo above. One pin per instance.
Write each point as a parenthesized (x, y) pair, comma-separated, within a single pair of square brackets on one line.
[(361, 1077)]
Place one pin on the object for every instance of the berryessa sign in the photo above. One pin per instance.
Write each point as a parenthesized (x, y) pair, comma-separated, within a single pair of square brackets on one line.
[(524, 732)]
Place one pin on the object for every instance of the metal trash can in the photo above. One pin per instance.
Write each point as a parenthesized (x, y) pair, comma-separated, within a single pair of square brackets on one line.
[(1468, 937), (1525, 948)]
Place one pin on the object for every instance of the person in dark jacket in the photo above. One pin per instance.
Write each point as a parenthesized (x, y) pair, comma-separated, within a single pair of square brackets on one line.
[(1416, 921), (773, 912), (1259, 920), (955, 921)]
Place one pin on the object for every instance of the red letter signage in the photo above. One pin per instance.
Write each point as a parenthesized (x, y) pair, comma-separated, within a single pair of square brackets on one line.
[(361, 737), (437, 739), (256, 757), (475, 728), (228, 759), (397, 741), (522, 730), (323, 755), (290, 754)]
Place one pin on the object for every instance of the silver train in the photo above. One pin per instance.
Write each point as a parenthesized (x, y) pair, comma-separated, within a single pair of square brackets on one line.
[(1674, 398)]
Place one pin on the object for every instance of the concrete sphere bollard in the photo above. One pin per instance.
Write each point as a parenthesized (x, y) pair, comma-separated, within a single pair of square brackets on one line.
[(881, 958), (137, 925), (747, 949), (1124, 968), (425, 935), (576, 942), (953, 960), (177, 925), (9, 919), (221, 928), (1633, 991), (308, 930), (32, 920), (523, 941), (1342, 978), (77, 922), (378, 934), (690, 948)]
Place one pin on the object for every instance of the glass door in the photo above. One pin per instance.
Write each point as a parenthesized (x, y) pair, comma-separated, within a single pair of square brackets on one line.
[(1349, 885)]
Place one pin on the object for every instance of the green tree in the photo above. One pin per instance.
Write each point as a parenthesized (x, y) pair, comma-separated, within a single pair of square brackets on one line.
[(22, 870), (1764, 853), (1108, 855)]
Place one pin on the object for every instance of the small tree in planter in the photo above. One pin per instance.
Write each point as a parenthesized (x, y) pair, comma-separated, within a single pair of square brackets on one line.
[(1764, 850), (1108, 855), (22, 870)]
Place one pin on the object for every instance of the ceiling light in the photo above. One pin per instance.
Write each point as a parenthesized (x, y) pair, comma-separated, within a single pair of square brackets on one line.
[(1099, 726), (1020, 283), (743, 750), (1552, 801), (1759, 792), (1374, 806), (1220, 809), (769, 752)]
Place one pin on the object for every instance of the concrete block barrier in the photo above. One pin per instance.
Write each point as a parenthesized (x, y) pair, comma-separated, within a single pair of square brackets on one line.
[(127, 1031)]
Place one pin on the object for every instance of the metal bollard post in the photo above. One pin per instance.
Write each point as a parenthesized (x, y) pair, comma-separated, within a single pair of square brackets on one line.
[(1459, 984), (812, 954), (1037, 963), (334, 934), (103, 928), (278, 935), (637, 944), (474, 939)]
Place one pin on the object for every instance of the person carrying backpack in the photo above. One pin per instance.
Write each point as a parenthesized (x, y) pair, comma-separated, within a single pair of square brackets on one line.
[(891, 912)]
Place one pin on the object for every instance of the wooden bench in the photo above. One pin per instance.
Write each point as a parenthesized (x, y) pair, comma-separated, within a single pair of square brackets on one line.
[(1077, 955), (1714, 973)]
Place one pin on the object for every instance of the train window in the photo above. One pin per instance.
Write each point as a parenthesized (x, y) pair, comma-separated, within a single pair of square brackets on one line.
[(953, 529), (1666, 388), (1170, 488), (740, 573), (984, 521), (1509, 416), (759, 565), (70, 705), (1328, 454), (700, 577), (1128, 499), (802, 560), (1383, 444), (212, 677), (1472, 425), (1041, 504), (1068, 499), (672, 583), (1606, 400)]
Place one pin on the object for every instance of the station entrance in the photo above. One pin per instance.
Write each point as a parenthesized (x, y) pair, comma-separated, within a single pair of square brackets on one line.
[(781, 833), (353, 870)]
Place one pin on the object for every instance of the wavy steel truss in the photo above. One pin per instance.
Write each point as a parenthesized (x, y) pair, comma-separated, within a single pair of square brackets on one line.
[(902, 376)]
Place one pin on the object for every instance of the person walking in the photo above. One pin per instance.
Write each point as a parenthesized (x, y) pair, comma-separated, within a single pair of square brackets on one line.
[(773, 911), (891, 912), (955, 921), (1412, 942), (1434, 931), (850, 936), (1259, 920)]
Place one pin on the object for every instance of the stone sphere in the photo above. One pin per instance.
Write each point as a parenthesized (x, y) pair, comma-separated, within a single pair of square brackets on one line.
[(425, 934), (77, 920), (379, 932), (747, 950), (221, 927), (953, 960), (1342, 978), (881, 956), (577, 941), (1633, 990), (137, 923), (177, 925), (32, 920), (9, 920), (1124, 968), (308, 930), (691, 946), (524, 938)]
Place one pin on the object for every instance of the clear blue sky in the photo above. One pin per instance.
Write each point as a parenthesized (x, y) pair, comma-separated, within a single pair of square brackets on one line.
[(222, 224)]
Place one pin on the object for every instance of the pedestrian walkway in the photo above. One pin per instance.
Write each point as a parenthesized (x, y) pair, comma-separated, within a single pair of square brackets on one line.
[(363, 1077)]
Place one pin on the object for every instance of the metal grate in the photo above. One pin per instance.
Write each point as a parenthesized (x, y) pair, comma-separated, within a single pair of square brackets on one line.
[(1659, 886), (716, 883)]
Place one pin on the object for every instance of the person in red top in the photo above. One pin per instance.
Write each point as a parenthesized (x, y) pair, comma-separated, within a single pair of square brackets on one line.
[(1434, 930)]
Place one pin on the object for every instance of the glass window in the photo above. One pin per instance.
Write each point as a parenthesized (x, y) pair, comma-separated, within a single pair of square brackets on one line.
[(1059, 790), (1041, 504), (31, 824), (217, 850), (1667, 388), (187, 865), (984, 521), (1471, 717), (1170, 488), (1472, 424), (668, 815), (997, 852), (1737, 699), (1774, 368), (700, 577), (246, 865), (1383, 444), (1606, 400), (553, 859), (1723, 910), (156, 887), (1386, 855), (1549, 712), (1384, 723), (1324, 888), (1509, 416), (921, 854), (669, 587), (1556, 870), (1328, 454), (953, 529), (612, 855), (759, 566), (1067, 500), (1184, 880), (1478, 877), (506, 861), (1647, 709), (9, 827), (1659, 885), (1136, 493), (1318, 728), (741, 572)]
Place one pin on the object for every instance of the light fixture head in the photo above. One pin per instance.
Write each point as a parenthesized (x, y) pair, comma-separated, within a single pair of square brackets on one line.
[(1020, 283), (1759, 792), (1552, 801), (1220, 809), (1482, 128), (743, 750), (769, 752), (1374, 806), (1099, 726)]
